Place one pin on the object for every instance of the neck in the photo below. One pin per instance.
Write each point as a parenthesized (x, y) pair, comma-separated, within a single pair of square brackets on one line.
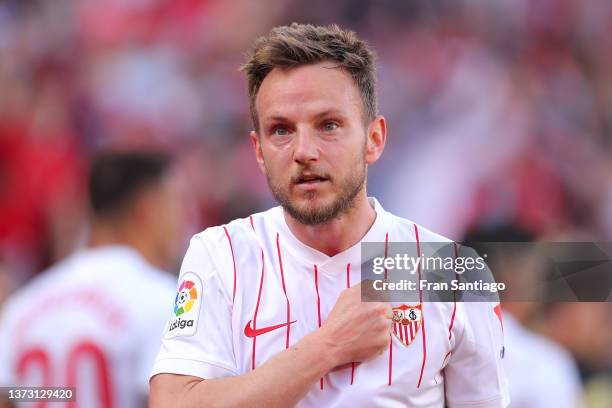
[(103, 234), (340, 233)]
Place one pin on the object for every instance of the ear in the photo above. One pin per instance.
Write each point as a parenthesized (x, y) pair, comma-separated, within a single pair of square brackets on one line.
[(376, 139), (256, 142)]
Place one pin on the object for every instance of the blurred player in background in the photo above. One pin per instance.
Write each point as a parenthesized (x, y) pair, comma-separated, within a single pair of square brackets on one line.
[(542, 373), (93, 320)]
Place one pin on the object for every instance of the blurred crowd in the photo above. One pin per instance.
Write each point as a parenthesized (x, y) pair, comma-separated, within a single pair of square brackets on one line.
[(499, 112)]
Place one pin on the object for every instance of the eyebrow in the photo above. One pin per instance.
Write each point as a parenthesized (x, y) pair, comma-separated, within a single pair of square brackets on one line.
[(330, 112), (327, 112)]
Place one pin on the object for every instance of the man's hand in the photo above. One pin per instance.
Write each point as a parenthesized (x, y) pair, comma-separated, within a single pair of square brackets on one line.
[(355, 330)]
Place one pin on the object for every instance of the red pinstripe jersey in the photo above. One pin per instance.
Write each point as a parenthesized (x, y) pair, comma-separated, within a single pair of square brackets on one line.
[(250, 289)]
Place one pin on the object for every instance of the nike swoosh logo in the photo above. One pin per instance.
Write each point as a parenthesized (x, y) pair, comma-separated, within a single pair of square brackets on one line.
[(251, 332)]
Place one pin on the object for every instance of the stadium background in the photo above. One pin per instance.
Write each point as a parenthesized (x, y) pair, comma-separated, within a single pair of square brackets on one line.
[(500, 113)]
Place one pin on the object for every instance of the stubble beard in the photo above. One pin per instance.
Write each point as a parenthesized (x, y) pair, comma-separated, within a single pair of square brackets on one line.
[(315, 215)]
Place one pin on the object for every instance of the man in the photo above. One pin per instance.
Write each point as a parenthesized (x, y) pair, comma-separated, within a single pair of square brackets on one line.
[(93, 320), (542, 372), (268, 311)]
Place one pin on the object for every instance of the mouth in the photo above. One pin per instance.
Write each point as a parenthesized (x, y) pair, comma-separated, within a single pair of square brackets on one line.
[(306, 179), (310, 181)]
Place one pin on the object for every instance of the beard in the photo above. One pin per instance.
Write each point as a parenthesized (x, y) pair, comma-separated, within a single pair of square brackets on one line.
[(311, 214)]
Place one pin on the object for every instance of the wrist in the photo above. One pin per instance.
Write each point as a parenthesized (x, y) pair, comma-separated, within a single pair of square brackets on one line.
[(327, 351)]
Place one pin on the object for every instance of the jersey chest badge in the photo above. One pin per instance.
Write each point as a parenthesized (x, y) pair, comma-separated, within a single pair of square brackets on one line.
[(406, 323)]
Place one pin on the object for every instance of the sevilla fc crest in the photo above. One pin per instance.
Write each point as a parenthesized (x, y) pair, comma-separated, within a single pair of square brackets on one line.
[(406, 323)]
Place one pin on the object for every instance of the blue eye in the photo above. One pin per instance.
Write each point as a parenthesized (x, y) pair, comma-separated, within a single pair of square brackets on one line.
[(330, 126), (280, 131)]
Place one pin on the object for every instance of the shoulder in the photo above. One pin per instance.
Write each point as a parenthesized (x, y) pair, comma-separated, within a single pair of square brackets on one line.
[(157, 283), (556, 365), (237, 236), (117, 270), (153, 301), (23, 299), (219, 249), (223, 237), (527, 343), (417, 232)]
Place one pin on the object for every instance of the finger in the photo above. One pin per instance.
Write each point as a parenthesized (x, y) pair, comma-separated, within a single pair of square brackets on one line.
[(389, 312), (369, 294)]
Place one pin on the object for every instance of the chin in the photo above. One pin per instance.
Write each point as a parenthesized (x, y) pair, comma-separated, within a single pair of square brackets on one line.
[(314, 202), (314, 211)]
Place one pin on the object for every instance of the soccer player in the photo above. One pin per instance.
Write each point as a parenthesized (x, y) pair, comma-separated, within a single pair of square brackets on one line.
[(93, 321), (269, 310)]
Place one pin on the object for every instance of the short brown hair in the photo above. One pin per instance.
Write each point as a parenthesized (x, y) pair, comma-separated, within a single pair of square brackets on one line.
[(303, 44)]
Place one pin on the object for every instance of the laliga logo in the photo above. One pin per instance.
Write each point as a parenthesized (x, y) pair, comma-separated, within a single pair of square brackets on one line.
[(186, 309), (185, 298)]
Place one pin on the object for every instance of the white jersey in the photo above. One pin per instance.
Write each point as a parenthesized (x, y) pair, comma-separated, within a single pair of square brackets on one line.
[(541, 373), (250, 289), (93, 322)]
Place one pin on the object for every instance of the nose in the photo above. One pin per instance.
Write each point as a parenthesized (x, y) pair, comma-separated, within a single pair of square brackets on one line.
[(305, 149)]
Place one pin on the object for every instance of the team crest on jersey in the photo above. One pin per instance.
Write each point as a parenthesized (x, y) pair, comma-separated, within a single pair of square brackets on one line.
[(184, 319), (406, 323)]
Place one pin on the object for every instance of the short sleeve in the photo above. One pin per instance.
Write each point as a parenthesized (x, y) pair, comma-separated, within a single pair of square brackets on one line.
[(197, 339), (475, 376)]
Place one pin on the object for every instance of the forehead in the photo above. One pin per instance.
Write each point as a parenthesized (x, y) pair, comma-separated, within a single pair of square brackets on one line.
[(307, 90)]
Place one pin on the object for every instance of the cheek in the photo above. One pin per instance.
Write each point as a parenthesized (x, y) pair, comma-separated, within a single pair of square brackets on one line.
[(345, 159), (275, 163)]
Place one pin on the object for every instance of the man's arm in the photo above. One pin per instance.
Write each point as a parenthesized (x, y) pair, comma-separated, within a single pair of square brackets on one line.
[(294, 371), (354, 331)]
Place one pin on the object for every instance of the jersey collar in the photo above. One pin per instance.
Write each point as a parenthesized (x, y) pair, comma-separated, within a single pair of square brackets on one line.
[(337, 263)]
